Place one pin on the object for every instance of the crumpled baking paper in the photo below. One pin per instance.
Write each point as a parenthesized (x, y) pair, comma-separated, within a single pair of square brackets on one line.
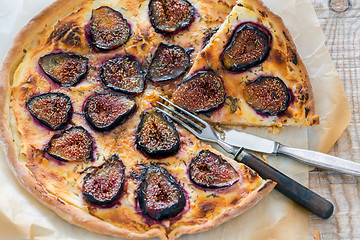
[(275, 217)]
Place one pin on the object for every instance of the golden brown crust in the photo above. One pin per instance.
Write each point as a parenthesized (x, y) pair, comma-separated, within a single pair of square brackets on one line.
[(38, 174), (283, 62)]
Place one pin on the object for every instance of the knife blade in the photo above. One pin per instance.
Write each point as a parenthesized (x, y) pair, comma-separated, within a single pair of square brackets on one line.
[(321, 160)]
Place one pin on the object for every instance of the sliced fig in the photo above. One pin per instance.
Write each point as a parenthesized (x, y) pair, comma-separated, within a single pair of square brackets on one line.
[(51, 109), (72, 145), (106, 111), (209, 170), (201, 92), (64, 68), (267, 95), (169, 62), (104, 184), (248, 47), (168, 16), (156, 134), (124, 75), (160, 196), (108, 28)]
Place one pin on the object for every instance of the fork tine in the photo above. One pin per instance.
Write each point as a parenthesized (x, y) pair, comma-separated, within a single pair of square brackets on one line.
[(185, 111), (194, 124), (179, 122)]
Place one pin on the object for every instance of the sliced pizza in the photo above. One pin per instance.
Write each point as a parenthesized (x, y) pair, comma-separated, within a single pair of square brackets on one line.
[(249, 73)]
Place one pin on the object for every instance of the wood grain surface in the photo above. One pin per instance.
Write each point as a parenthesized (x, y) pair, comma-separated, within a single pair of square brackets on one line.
[(340, 21)]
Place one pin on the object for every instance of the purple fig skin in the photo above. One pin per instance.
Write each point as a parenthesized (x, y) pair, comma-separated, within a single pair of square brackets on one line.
[(160, 196), (105, 111), (248, 47), (53, 110), (65, 69), (103, 186), (209, 170), (156, 135), (202, 92), (267, 95), (170, 16), (124, 75), (72, 145), (108, 29), (169, 62)]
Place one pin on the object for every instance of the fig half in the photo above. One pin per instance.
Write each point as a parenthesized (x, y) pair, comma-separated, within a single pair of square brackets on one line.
[(168, 16), (124, 75), (160, 196), (108, 28), (248, 47), (106, 111), (267, 95), (156, 135), (51, 109), (72, 145), (209, 170), (64, 68), (201, 92), (169, 62), (104, 184)]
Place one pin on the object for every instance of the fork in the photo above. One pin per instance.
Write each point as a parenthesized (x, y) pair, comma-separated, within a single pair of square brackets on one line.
[(287, 186)]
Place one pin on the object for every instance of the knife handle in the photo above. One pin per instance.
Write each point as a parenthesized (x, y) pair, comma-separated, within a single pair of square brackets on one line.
[(289, 187)]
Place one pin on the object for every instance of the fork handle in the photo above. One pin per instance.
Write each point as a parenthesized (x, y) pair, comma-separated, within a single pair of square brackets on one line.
[(289, 187)]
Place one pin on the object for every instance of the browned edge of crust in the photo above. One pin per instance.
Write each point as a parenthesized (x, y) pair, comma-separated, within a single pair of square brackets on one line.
[(14, 56), (312, 119), (249, 202), (66, 211)]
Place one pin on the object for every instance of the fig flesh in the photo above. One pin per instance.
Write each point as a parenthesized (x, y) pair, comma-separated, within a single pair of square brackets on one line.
[(201, 92), (169, 16), (209, 170), (104, 184), (124, 75), (106, 111), (156, 135), (169, 62), (160, 195), (51, 109), (63, 68), (71, 145), (248, 47), (108, 29), (267, 95)]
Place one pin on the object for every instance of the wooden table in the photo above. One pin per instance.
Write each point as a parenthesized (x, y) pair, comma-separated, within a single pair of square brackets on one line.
[(340, 21)]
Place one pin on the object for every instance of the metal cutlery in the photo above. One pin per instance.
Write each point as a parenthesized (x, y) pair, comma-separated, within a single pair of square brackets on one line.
[(287, 186)]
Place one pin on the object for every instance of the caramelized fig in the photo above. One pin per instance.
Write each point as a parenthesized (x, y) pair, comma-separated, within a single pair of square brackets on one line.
[(64, 68), (156, 134), (201, 92), (104, 185), (209, 170), (248, 47), (168, 63), (124, 75), (106, 111), (51, 109), (108, 28), (72, 145), (160, 196), (267, 95), (168, 16)]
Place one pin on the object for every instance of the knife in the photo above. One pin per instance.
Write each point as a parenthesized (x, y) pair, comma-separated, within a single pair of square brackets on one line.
[(321, 160)]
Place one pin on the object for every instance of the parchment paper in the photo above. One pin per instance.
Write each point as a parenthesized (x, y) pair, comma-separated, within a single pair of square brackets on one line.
[(275, 217)]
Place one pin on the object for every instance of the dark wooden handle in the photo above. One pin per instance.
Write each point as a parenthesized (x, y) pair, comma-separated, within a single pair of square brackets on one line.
[(289, 187)]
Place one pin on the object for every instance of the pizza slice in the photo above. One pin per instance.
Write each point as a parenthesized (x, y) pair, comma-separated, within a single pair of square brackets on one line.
[(249, 73)]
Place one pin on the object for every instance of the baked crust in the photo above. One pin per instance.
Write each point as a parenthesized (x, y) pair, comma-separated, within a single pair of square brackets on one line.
[(283, 61), (23, 139)]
